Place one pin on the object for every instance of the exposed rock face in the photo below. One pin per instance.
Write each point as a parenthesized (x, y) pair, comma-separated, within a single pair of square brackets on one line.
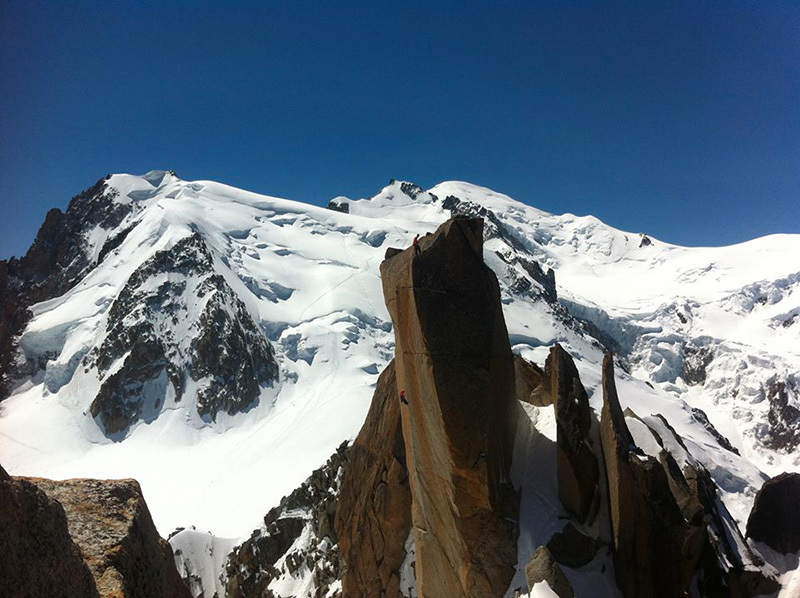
[(577, 465), (695, 362), (700, 416), (670, 531), (643, 559), (339, 206), (527, 378), (572, 548), (56, 261), (411, 189), (543, 567), (784, 416), (373, 517), (455, 365), (774, 519), (37, 554), (298, 535), (529, 271), (217, 344), (110, 523)]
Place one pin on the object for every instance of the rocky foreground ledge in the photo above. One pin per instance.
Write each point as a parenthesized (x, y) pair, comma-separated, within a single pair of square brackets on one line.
[(81, 538)]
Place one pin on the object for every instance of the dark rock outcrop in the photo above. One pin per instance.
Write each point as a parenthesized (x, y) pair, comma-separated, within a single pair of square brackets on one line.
[(111, 524), (644, 517), (670, 530), (543, 567), (58, 259), (527, 379), (572, 548), (339, 206), (411, 189), (226, 350), (695, 362), (373, 518), (269, 554), (774, 519), (783, 415), (700, 416), (455, 366), (578, 471), (532, 272), (37, 555)]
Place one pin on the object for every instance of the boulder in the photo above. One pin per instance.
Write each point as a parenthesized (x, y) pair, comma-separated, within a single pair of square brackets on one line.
[(455, 366), (37, 554), (572, 548), (373, 517), (527, 379), (774, 519), (543, 567), (578, 471), (110, 523)]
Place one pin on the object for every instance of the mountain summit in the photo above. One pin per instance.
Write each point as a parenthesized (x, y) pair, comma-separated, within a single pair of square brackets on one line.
[(217, 345)]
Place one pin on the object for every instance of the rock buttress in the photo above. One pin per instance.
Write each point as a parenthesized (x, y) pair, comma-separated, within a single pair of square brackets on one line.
[(111, 524), (455, 366), (646, 559), (671, 534), (578, 472), (37, 554), (528, 378), (373, 516)]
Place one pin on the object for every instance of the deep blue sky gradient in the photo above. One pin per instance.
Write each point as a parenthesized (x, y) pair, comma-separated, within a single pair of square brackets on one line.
[(681, 120)]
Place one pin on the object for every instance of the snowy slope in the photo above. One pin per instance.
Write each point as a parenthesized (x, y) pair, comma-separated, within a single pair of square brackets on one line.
[(308, 277)]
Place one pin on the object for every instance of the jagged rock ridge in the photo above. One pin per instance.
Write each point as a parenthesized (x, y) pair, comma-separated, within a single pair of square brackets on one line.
[(298, 540), (59, 258), (177, 319), (671, 534)]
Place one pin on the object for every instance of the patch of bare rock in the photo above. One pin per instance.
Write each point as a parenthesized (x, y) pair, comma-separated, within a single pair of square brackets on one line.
[(82, 537)]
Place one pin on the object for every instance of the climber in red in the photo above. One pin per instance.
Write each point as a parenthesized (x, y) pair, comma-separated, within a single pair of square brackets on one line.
[(417, 250), (403, 399)]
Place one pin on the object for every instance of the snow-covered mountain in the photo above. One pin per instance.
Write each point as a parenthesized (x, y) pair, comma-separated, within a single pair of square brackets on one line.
[(218, 345)]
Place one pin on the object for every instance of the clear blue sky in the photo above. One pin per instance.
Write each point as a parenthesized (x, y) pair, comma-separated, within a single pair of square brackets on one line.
[(678, 119)]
